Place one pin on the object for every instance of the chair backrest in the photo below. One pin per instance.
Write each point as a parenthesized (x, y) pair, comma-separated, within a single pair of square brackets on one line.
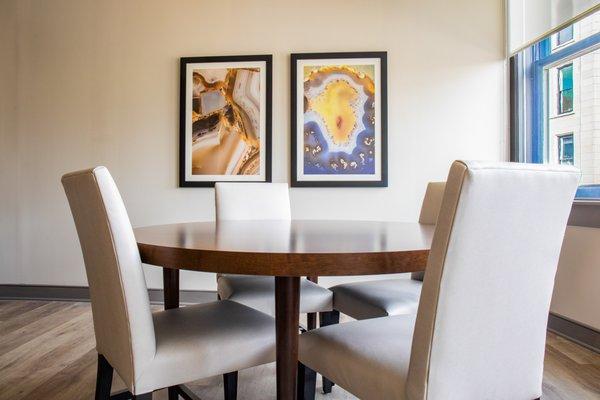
[(481, 325), (120, 305), (249, 201), (432, 202)]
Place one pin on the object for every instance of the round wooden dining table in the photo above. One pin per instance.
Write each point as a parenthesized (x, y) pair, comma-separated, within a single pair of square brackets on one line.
[(286, 250)]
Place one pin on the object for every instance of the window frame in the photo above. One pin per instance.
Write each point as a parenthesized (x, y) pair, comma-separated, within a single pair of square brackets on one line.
[(560, 86), (560, 146), (542, 60), (528, 91), (571, 40)]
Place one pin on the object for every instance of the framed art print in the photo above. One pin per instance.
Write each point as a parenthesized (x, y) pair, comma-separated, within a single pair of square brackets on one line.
[(225, 120), (339, 119)]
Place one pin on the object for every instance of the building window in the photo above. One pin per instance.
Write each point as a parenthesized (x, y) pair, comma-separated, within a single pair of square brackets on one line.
[(566, 149), (564, 36), (565, 89)]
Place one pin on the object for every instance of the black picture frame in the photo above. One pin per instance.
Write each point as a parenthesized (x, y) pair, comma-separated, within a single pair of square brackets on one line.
[(383, 177), (184, 61)]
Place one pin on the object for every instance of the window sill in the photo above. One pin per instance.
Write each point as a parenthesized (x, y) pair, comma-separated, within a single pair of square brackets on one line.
[(586, 202), (567, 114)]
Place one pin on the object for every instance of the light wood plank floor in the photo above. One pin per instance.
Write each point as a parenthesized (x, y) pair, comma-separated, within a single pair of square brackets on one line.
[(47, 352)]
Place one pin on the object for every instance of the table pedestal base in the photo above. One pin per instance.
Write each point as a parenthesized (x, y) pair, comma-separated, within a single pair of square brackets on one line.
[(287, 314)]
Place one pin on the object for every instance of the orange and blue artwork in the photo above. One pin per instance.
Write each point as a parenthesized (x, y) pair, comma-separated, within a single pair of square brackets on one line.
[(339, 119)]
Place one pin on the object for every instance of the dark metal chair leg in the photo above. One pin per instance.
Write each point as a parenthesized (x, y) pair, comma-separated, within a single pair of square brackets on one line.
[(230, 385), (307, 382), (328, 318), (311, 321), (173, 394), (103, 379)]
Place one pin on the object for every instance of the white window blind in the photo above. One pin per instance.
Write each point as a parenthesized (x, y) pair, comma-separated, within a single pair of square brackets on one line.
[(531, 20)]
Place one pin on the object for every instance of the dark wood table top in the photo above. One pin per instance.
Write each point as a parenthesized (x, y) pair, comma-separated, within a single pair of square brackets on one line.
[(288, 248)]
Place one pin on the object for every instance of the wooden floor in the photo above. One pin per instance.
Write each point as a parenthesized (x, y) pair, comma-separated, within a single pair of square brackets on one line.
[(47, 352)]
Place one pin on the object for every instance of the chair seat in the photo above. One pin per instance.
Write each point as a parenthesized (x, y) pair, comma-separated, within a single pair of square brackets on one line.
[(372, 299), (206, 340), (368, 358), (259, 292)]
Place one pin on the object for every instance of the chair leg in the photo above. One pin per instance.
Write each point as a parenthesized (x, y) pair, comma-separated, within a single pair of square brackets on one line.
[(145, 396), (230, 385), (328, 318), (311, 321), (307, 382), (103, 379), (173, 395)]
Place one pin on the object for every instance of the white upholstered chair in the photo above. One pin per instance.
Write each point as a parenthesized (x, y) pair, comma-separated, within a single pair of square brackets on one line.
[(149, 350), (262, 201), (372, 299), (480, 329)]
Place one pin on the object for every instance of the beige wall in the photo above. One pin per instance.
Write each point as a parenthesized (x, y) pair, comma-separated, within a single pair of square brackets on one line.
[(98, 84), (8, 142), (576, 294)]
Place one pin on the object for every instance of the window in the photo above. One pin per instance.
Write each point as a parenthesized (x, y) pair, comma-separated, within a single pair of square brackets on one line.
[(564, 36), (554, 106), (565, 89), (566, 149)]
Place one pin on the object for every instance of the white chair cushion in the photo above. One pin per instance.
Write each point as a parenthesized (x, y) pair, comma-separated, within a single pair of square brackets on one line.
[(259, 292), (374, 353), (372, 299), (206, 340)]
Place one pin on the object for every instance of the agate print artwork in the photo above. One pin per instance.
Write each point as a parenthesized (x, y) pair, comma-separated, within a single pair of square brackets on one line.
[(225, 119), (338, 119)]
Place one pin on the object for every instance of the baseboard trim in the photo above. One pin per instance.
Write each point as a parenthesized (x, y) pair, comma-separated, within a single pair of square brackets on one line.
[(575, 331), (82, 293)]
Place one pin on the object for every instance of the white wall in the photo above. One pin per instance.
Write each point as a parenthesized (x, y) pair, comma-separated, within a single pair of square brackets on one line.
[(98, 84)]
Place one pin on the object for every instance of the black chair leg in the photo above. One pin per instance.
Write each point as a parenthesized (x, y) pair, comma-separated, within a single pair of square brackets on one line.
[(103, 379), (173, 395), (307, 382), (230, 385), (311, 321), (328, 318)]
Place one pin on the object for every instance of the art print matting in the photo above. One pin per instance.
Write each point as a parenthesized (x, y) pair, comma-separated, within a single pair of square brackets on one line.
[(225, 120), (339, 119)]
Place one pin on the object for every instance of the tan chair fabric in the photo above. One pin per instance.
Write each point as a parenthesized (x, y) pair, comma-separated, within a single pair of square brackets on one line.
[(432, 202), (430, 209), (152, 351), (372, 299), (261, 201), (481, 325)]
